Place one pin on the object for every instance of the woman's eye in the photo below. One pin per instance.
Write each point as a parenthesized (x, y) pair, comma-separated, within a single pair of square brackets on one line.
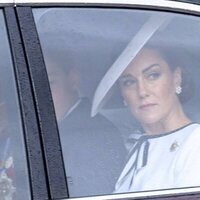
[(153, 75), (127, 82)]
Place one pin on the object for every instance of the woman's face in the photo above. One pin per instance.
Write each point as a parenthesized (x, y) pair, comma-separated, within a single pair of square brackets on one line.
[(148, 87)]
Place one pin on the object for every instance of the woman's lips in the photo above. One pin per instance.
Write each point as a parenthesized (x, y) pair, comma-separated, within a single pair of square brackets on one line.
[(147, 106)]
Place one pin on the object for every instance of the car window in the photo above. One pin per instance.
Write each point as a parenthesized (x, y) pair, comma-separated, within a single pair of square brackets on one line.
[(14, 182), (125, 89)]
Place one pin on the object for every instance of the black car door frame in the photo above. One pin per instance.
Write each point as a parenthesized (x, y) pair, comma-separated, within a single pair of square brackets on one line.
[(34, 152), (43, 105)]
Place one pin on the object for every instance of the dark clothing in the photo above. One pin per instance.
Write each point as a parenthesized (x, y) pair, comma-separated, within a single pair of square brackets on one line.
[(93, 152)]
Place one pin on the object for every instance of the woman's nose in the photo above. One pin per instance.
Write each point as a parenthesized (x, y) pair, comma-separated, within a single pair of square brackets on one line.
[(142, 89)]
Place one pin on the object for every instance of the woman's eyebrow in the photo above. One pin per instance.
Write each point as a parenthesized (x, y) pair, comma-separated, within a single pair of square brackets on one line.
[(148, 68), (125, 76), (143, 71)]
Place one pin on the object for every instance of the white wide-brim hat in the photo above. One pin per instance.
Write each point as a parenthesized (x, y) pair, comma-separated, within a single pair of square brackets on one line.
[(153, 24)]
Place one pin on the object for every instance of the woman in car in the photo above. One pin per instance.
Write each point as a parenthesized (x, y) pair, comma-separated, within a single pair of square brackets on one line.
[(167, 153)]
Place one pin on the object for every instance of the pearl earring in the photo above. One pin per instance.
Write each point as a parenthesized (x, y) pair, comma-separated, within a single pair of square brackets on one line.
[(178, 90)]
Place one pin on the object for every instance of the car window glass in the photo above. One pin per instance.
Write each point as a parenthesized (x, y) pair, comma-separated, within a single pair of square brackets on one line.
[(125, 90), (14, 183)]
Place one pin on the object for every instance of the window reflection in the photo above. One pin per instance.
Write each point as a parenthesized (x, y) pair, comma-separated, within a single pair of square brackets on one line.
[(124, 76)]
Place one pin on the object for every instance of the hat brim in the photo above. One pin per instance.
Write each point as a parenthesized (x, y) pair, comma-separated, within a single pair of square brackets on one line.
[(155, 22)]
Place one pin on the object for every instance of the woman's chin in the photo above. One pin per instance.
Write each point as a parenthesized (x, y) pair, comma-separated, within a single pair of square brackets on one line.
[(149, 120)]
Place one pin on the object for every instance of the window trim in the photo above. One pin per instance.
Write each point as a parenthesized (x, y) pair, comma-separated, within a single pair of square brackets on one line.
[(157, 195), (165, 5), (44, 105), (37, 176)]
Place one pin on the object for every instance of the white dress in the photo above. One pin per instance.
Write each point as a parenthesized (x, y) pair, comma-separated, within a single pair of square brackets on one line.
[(170, 160)]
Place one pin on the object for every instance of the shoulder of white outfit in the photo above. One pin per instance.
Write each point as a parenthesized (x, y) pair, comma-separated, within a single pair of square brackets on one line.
[(189, 136), (195, 133), (190, 148), (187, 161), (189, 131)]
